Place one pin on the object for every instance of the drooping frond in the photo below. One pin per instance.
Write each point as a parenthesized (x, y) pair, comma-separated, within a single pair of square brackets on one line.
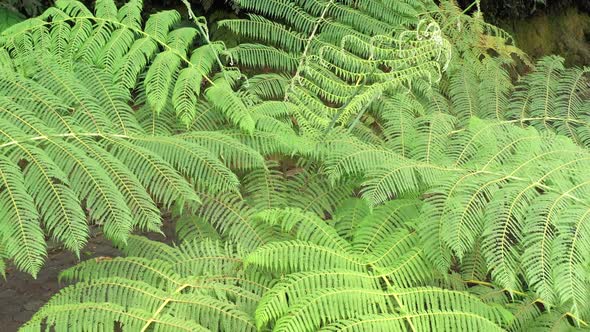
[(188, 288), (516, 193), (552, 98), (154, 56), (265, 188), (341, 56), (80, 151), (328, 285), (307, 277), (349, 215)]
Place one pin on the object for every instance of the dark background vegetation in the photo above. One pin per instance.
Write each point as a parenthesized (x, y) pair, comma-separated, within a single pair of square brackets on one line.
[(498, 10), (540, 27), (34, 7)]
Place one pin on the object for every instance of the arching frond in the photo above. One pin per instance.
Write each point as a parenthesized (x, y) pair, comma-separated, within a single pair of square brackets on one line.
[(342, 56), (81, 153), (155, 56), (140, 293)]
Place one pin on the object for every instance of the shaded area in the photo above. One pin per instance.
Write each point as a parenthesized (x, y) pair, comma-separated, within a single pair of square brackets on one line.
[(21, 295), (565, 32), (8, 18), (497, 10), (543, 27), (32, 8)]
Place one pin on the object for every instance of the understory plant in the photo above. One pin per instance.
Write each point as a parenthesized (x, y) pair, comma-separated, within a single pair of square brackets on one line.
[(348, 166)]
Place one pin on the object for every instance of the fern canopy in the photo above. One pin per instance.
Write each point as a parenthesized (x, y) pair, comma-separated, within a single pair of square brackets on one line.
[(74, 147), (213, 281), (345, 166)]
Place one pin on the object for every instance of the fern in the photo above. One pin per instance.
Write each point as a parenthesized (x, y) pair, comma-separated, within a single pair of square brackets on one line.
[(332, 48), (286, 268), (353, 165), (226, 287), (71, 153), (184, 288), (9, 18), (514, 190), (155, 57)]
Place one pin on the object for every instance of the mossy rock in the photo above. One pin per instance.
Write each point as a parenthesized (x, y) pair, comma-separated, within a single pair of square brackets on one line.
[(8, 18), (565, 32)]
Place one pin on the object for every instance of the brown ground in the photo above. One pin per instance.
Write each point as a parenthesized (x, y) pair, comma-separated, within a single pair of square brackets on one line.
[(21, 295)]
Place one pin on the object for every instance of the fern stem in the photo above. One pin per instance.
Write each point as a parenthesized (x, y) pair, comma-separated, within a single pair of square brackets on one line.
[(306, 49), (68, 135), (576, 318), (476, 2), (161, 307), (191, 15), (523, 119), (395, 297), (359, 116), (341, 110), (488, 284)]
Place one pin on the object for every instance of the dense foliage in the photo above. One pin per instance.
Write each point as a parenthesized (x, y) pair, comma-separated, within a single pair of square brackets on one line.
[(349, 165), (8, 18)]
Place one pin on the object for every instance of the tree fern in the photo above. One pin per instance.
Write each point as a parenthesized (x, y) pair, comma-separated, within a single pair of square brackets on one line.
[(505, 189), (156, 55), (193, 292), (226, 287), (286, 268), (550, 98), (360, 165), (80, 153), (333, 47)]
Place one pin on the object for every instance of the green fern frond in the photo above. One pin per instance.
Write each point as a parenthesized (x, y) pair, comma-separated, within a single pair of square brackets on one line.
[(488, 191), (257, 55), (324, 280), (229, 214), (85, 155), (186, 93), (226, 102), (191, 286), (275, 303), (22, 237), (159, 78), (332, 47), (190, 228), (265, 188), (108, 313), (349, 215), (422, 321), (494, 90), (156, 57)]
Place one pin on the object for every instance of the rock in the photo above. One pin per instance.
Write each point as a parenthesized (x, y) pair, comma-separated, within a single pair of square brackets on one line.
[(7, 293), (566, 33), (33, 305)]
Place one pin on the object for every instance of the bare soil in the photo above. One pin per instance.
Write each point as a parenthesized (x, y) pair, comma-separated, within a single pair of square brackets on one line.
[(21, 295)]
